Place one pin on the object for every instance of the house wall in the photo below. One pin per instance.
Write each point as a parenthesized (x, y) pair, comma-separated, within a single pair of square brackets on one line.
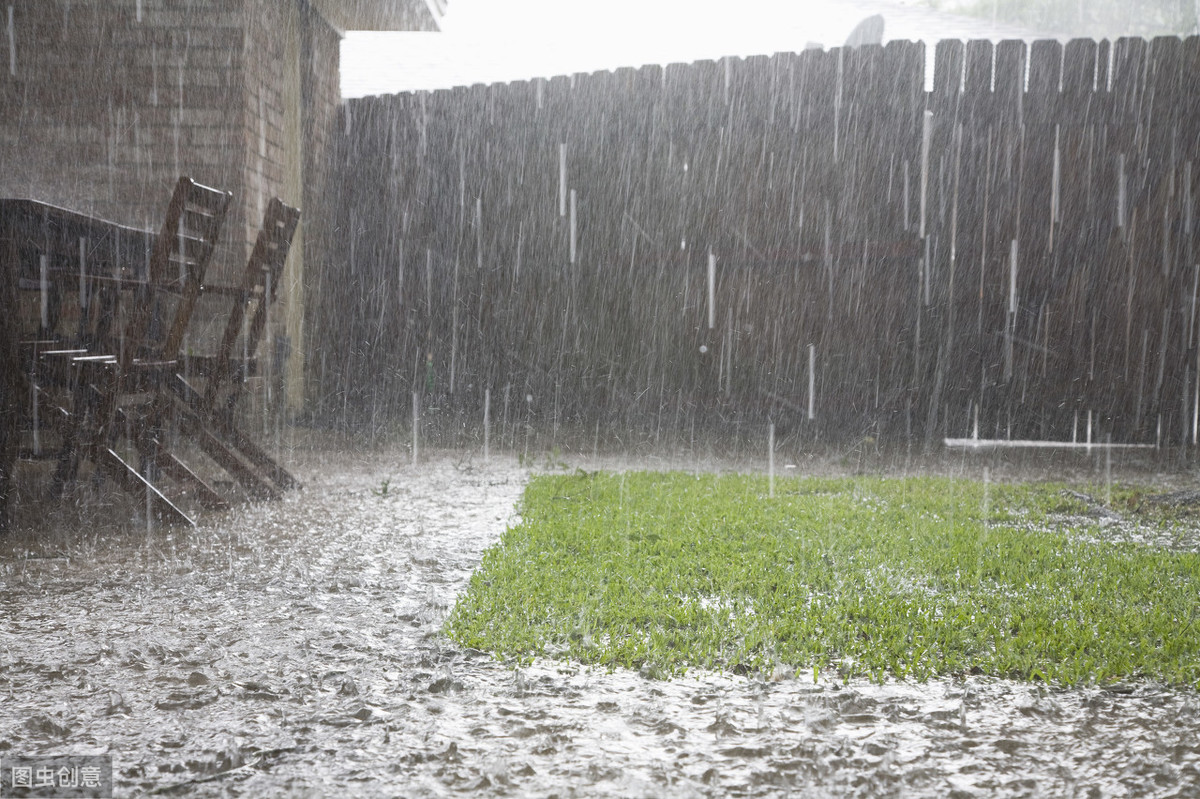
[(104, 103), (273, 157), (321, 93)]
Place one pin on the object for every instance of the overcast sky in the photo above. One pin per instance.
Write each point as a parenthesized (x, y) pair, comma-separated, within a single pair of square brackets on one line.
[(490, 41)]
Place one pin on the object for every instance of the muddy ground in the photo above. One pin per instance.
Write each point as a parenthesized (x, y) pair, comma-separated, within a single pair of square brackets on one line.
[(295, 649)]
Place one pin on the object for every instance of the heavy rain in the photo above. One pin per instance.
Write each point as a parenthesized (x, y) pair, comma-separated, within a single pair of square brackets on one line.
[(283, 361)]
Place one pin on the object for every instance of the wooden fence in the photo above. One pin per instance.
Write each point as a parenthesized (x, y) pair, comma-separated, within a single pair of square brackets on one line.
[(811, 238)]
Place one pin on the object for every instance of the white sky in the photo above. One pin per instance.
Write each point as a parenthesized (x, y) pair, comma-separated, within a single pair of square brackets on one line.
[(490, 41)]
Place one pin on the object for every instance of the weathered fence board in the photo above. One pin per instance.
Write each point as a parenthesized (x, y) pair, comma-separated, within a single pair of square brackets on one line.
[(1012, 250)]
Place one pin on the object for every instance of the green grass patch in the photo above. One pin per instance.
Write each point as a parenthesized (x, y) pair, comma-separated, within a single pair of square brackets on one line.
[(869, 576)]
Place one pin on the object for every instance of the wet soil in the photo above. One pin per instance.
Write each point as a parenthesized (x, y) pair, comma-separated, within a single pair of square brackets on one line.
[(295, 648)]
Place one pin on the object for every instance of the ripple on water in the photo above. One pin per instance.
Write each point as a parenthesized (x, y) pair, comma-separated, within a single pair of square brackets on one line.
[(295, 648)]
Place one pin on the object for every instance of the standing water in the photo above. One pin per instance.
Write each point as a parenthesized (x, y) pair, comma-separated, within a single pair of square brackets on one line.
[(296, 648)]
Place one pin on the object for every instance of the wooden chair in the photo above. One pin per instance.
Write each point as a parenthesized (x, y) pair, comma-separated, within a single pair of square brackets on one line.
[(209, 415), (142, 360), (141, 390)]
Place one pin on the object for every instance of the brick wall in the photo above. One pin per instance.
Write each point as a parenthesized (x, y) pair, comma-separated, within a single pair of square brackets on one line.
[(104, 103), (265, 64), (322, 99)]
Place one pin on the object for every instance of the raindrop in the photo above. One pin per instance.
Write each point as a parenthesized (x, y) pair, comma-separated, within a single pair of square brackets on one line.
[(712, 293), (479, 233), (729, 352), (837, 102), (520, 245), (400, 276), (424, 140), (926, 269), (1012, 277), (812, 381), (245, 338), (829, 255), (926, 135), (771, 460), (562, 179), (45, 291), (1121, 190), (454, 328), (958, 135), (429, 286), (573, 226), (12, 45), (1166, 239), (416, 424), (83, 298), (178, 120), (487, 422), (1196, 403), (270, 340), (1010, 326), (1055, 208), (1188, 209), (907, 222), (1108, 469), (33, 405)]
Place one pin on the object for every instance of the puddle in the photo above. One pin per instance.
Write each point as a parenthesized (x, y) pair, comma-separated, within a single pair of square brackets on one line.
[(295, 648)]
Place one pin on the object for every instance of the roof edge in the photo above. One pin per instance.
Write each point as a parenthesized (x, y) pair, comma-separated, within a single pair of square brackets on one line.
[(382, 15)]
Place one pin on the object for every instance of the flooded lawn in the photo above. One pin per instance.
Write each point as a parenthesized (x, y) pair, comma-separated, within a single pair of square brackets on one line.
[(296, 649)]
